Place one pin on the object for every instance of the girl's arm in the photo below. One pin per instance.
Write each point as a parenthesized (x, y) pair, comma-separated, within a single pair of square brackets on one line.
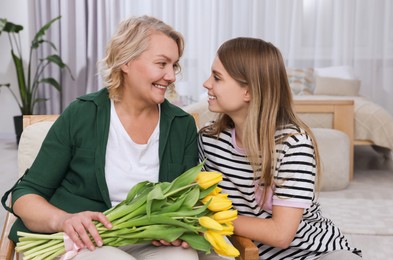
[(279, 231)]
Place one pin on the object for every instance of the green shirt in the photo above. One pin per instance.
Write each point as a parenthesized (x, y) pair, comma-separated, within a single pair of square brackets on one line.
[(69, 168)]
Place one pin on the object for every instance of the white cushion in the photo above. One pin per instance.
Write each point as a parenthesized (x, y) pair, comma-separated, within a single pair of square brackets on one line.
[(30, 143), (334, 150), (336, 86), (343, 72)]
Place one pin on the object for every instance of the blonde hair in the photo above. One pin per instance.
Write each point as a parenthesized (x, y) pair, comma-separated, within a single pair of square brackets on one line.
[(258, 65), (127, 44)]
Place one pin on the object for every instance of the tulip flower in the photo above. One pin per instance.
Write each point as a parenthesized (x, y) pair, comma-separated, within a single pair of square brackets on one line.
[(215, 192), (208, 179), (220, 245), (227, 229), (210, 223), (225, 216), (217, 203)]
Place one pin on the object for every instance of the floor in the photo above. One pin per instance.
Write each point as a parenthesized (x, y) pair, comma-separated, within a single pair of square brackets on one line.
[(372, 173)]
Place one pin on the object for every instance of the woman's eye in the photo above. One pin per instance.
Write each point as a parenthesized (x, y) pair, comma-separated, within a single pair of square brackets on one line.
[(162, 64), (216, 78)]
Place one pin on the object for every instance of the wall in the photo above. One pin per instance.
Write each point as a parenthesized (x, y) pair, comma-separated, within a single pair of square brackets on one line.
[(15, 11)]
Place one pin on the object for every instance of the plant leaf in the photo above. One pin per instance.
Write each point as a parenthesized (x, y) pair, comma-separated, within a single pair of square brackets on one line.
[(59, 62), (40, 100), (174, 206), (153, 220), (192, 198), (197, 242), (9, 27), (3, 22), (52, 82), (137, 189), (41, 32), (155, 194), (185, 179), (54, 58), (23, 92), (167, 232), (205, 192)]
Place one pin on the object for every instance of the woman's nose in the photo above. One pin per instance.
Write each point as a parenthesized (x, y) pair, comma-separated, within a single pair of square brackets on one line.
[(170, 75)]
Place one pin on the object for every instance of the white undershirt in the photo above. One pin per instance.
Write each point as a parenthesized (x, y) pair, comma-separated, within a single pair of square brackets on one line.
[(126, 162)]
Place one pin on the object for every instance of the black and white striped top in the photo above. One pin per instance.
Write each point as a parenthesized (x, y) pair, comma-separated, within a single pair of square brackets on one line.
[(294, 187)]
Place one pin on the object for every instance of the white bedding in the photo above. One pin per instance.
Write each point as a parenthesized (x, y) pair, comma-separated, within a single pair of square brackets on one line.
[(372, 122)]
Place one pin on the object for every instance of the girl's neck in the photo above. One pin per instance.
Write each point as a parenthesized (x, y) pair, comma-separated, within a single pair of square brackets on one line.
[(239, 128)]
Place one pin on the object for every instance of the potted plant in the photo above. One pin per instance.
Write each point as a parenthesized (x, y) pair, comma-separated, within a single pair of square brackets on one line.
[(30, 77)]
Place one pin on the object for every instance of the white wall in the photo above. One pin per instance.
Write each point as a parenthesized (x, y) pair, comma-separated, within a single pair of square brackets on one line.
[(14, 11)]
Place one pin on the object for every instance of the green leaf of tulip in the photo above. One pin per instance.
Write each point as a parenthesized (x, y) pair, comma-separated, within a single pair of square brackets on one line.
[(181, 209)]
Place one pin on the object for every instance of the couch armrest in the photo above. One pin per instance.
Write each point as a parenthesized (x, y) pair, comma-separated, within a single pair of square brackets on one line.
[(7, 247)]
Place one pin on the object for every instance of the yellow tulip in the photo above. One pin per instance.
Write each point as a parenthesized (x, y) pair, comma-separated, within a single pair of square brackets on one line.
[(222, 195), (229, 251), (225, 216), (210, 223), (207, 179), (216, 191), (217, 203), (227, 229), (207, 198), (220, 245)]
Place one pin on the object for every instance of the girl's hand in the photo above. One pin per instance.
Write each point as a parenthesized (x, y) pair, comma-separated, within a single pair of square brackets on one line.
[(177, 242), (78, 226)]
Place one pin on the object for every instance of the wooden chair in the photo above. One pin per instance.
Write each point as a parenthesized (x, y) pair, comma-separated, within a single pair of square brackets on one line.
[(7, 247), (247, 249)]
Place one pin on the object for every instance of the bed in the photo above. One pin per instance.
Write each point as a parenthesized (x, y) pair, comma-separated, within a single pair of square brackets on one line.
[(373, 125)]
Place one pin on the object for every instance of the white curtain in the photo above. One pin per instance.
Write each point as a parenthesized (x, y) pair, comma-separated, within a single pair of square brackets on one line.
[(310, 33)]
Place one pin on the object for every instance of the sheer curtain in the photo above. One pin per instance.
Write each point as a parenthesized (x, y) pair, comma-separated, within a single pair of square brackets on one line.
[(310, 33)]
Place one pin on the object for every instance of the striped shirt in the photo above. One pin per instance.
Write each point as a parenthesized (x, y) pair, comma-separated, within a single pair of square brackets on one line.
[(294, 187)]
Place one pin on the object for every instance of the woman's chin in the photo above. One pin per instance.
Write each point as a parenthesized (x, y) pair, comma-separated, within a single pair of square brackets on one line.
[(213, 108)]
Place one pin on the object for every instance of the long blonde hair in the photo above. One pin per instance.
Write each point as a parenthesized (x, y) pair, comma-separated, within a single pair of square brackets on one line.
[(258, 65), (127, 44)]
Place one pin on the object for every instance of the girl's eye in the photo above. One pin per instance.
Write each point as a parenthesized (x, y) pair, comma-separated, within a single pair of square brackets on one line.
[(176, 67), (216, 78), (162, 64)]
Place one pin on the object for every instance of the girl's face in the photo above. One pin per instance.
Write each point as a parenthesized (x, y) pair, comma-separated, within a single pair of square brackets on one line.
[(225, 95), (148, 77)]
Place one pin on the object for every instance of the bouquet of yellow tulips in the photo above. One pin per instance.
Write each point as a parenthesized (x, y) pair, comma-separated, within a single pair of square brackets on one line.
[(191, 208)]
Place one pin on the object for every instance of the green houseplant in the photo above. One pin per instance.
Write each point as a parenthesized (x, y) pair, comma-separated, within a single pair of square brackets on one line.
[(30, 77)]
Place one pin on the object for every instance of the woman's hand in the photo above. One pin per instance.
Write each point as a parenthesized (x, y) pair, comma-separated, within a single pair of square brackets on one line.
[(78, 226), (177, 242)]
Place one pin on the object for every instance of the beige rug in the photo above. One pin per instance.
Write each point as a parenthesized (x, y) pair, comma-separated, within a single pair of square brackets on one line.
[(360, 216)]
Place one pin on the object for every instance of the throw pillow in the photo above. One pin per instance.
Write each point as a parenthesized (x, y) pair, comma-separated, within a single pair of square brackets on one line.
[(336, 86), (300, 80)]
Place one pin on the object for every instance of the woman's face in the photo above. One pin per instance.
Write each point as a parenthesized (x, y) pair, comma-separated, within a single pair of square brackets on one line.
[(225, 95), (148, 77)]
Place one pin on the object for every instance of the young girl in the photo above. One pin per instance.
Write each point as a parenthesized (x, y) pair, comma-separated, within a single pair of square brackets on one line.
[(268, 157)]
